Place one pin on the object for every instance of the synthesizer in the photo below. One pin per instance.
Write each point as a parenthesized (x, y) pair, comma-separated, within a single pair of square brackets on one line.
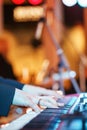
[(71, 116)]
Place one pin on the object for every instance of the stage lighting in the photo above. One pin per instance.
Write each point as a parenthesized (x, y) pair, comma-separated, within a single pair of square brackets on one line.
[(18, 2), (35, 2), (82, 3), (69, 3)]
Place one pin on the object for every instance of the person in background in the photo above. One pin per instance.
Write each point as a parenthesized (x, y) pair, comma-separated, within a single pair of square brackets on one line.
[(6, 70), (13, 92)]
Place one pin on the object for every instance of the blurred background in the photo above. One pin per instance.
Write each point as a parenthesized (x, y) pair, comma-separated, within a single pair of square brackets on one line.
[(37, 37)]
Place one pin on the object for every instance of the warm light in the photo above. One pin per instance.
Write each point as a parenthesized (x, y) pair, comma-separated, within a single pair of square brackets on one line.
[(42, 72), (35, 2), (28, 13), (18, 2), (25, 73), (77, 36), (69, 2), (82, 3)]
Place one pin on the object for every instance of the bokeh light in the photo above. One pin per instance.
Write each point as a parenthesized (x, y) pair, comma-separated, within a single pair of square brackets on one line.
[(69, 3), (82, 3), (18, 2), (35, 2)]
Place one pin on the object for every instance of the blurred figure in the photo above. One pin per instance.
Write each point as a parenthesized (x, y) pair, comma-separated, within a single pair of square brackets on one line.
[(5, 67)]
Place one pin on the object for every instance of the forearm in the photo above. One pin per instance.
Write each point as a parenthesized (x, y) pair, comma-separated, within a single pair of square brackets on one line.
[(6, 98), (10, 82)]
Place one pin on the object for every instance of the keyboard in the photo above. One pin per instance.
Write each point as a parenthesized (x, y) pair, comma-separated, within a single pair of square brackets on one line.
[(49, 119), (55, 118)]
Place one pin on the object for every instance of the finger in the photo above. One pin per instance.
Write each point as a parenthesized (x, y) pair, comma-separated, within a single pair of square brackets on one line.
[(59, 92), (52, 100), (56, 94), (47, 104), (33, 105), (49, 99), (60, 104)]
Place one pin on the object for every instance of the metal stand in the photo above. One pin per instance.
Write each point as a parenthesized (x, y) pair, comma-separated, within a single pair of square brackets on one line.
[(63, 62)]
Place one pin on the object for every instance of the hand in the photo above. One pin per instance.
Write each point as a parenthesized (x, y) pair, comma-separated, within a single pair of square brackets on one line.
[(34, 90), (35, 102), (23, 99)]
